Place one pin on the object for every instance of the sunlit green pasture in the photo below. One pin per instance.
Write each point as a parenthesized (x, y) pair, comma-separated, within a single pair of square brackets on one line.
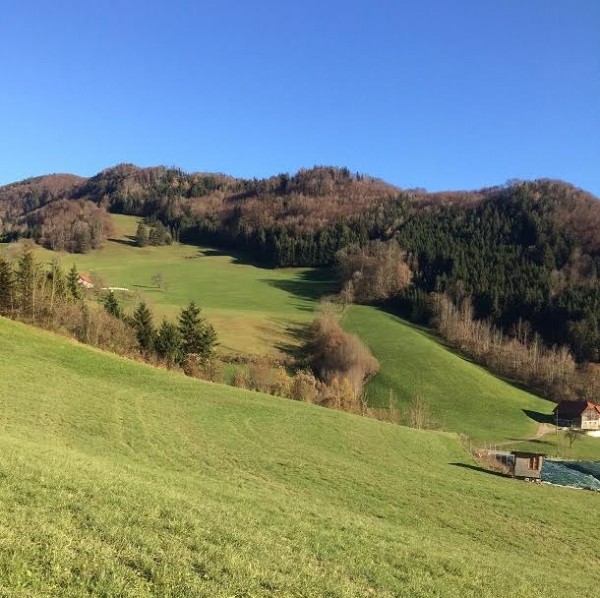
[(462, 396), (117, 479), (258, 310), (255, 310)]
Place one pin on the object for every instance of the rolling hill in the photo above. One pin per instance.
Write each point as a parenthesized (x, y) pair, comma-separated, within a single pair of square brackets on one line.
[(255, 310), (259, 311), (524, 253), (462, 396), (120, 479)]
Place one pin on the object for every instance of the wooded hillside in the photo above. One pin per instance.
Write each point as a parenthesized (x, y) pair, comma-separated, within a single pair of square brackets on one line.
[(524, 252)]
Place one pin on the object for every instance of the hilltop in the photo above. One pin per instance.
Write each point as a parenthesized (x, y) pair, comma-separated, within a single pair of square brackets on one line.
[(117, 478)]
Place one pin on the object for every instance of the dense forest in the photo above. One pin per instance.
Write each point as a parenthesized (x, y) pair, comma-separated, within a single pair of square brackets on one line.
[(527, 253)]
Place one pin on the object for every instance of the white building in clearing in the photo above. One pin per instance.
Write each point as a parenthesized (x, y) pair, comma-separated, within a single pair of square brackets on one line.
[(85, 281)]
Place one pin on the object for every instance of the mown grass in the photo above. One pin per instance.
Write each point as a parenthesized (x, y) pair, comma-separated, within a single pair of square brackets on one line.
[(255, 310), (117, 479), (462, 396), (584, 447)]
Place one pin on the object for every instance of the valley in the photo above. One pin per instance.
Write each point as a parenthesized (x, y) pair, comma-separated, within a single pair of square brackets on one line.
[(119, 478)]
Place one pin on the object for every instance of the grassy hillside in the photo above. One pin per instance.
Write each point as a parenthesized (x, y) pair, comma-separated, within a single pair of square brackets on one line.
[(463, 397), (253, 309), (119, 479), (257, 310)]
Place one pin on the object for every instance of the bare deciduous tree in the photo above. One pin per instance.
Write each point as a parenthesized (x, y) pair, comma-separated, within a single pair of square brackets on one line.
[(373, 272), (419, 415), (160, 281), (523, 357)]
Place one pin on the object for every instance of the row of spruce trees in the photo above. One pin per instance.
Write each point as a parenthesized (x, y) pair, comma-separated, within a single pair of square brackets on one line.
[(175, 343)]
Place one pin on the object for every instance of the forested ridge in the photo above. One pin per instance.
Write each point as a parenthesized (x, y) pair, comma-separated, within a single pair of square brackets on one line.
[(527, 253)]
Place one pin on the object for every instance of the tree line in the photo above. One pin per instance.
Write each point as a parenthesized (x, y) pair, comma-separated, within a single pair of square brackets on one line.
[(49, 297), (520, 353)]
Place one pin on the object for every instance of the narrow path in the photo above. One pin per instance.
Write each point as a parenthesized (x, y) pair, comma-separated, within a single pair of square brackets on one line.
[(543, 430)]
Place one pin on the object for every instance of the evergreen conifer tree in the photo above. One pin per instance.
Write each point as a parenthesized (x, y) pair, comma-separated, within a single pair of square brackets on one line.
[(73, 285), (209, 339), (198, 336), (7, 287), (153, 237), (142, 322), (25, 283), (141, 236), (58, 284), (112, 306), (82, 240), (168, 343)]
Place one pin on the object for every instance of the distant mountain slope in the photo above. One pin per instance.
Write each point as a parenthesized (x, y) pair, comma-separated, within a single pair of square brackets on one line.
[(18, 199), (309, 202), (120, 479), (528, 251)]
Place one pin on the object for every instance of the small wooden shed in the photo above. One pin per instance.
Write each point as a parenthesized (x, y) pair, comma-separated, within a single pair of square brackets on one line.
[(527, 466)]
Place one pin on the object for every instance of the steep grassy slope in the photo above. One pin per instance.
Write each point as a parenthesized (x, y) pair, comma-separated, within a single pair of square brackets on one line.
[(118, 479), (253, 309), (463, 397)]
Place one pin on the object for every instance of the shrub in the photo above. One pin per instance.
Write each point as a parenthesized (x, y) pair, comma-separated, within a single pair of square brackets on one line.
[(211, 370), (419, 415), (281, 384), (333, 353), (259, 375), (304, 387), (240, 378)]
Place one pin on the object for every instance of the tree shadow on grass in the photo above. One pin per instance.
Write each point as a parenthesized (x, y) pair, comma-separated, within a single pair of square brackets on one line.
[(129, 241), (310, 286), (540, 418), (537, 441), (295, 350), (479, 469), (237, 257)]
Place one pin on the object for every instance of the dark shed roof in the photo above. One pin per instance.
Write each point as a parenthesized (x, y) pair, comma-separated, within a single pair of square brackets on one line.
[(527, 454)]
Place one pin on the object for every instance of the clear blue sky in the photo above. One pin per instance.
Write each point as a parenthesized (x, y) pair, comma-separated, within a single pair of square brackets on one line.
[(428, 93)]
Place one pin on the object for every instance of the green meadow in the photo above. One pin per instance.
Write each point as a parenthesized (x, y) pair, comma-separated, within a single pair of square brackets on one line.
[(259, 310), (117, 479), (462, 396), (254, 310)]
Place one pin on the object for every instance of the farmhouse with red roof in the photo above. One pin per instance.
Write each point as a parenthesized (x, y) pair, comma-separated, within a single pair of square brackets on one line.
[(578, 414)]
